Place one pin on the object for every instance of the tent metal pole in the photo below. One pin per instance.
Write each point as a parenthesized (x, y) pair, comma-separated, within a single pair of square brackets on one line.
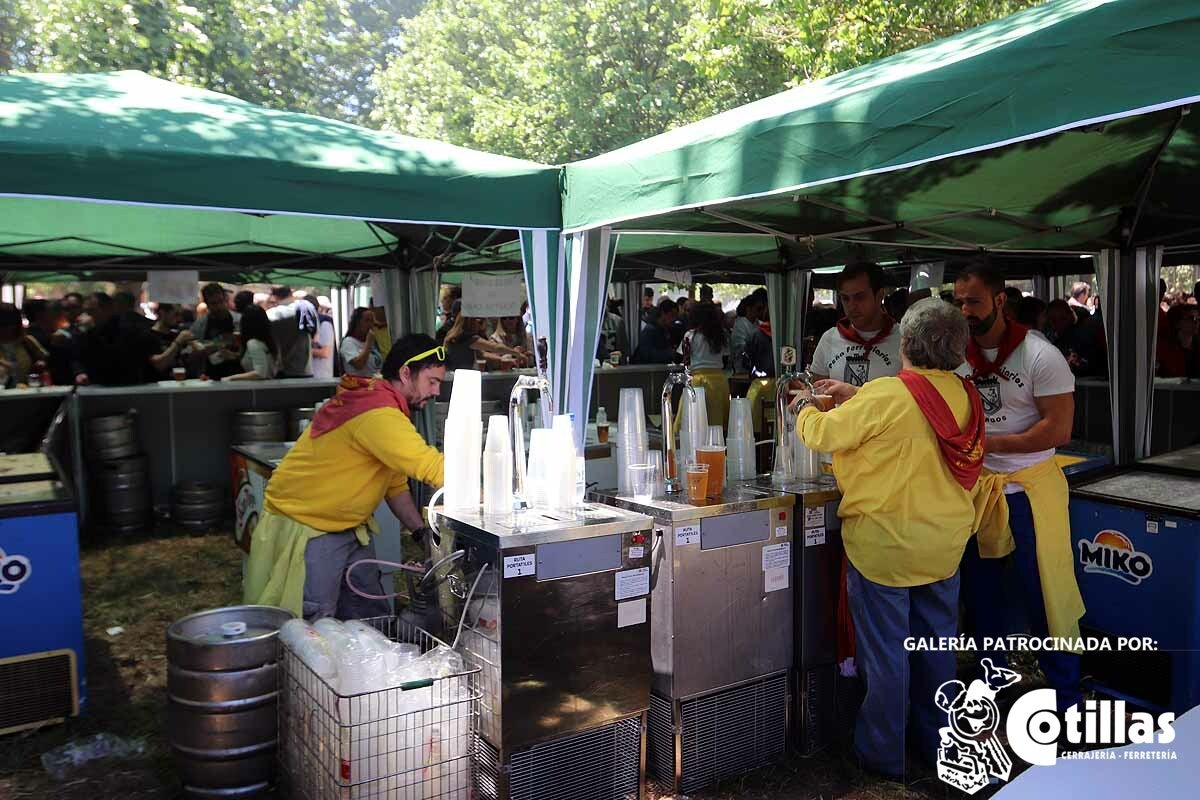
[(1143, 193), (754, 226)]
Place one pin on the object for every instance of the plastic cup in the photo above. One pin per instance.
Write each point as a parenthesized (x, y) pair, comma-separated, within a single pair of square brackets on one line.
[(179, 373), (716, 437), (697, 481), (642, 480), (714, 459), (602, 433), (655, 457), (741, 422)]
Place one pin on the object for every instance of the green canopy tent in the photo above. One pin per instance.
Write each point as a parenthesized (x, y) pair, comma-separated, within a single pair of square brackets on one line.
[(1061, 131), (113, 173)]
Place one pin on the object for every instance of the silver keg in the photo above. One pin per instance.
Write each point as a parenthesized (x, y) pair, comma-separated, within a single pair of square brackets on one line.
[(124, 493), (298, 420), (222, 686), (259, 426), (111, 437), (199, 505)]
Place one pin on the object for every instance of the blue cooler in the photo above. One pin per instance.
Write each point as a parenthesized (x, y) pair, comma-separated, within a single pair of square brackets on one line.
[(1135, 536)]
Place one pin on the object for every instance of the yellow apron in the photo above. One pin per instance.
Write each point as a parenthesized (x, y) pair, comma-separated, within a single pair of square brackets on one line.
[(275, 569), (759, 390), (1046, 487)]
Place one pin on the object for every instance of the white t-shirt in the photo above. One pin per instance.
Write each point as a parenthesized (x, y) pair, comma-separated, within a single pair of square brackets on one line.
[(323, 367), (259, 359), (703, 356), (841, 359), (1035, 369), (351, 349)]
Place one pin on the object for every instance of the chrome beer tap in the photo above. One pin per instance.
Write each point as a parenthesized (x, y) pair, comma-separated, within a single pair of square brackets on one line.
[(671, 483)]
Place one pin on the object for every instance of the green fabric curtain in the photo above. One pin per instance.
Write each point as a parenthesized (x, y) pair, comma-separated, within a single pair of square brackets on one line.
[(544, 260), (590, 258)]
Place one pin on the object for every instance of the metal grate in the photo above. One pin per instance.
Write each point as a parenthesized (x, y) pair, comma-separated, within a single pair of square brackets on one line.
[(600, 764), (406, 742), (36, 689), (487, 770), (732, 731), (660, 744), (815, 702), (848, 698)]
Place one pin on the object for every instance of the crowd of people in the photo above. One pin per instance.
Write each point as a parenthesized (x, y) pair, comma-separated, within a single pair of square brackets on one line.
[(485, 344), (114, 339)]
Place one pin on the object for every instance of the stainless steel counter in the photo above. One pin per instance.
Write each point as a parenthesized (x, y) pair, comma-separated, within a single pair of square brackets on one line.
[(540, 526), (675, 508)]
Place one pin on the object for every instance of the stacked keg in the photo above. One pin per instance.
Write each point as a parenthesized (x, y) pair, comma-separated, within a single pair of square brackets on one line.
[(121, 480), (259, 426), (198, 506)]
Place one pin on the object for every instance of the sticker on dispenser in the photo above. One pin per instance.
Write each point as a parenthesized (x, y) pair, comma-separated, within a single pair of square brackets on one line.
[(519, 566), (637, 552), (781, 531), (687, 534), (814, 517), (1151, 526), (814, 537), (633, 583), (1171, 523), (777, 556), (775, 579), (631, 612)]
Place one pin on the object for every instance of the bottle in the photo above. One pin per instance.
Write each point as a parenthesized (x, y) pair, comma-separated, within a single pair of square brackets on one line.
[(601, 416)]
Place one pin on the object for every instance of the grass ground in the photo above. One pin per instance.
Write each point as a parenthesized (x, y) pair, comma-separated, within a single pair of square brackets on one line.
[(143, 585)]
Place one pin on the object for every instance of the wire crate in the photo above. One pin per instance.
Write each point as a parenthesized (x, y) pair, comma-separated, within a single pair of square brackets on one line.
[(408, 742)]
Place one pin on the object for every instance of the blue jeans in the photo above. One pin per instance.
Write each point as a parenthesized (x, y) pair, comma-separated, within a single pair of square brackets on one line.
[(884, 616), (986, 602)]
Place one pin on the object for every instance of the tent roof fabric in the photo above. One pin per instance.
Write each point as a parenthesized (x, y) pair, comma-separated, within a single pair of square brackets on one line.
[(1034, 133)]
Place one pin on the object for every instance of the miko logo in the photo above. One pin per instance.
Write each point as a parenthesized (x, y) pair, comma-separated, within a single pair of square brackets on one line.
[(970, 754), (1111, 553), (14, 570)]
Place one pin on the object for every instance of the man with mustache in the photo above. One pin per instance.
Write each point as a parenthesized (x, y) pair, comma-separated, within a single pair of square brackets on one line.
[(1028, 397)]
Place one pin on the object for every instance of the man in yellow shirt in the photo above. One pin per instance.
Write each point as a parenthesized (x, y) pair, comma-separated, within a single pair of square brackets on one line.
[(317, 513), (907, 454)]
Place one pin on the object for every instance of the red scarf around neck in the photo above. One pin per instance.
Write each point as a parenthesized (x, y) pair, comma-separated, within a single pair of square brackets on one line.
[(961, 450), (849, 332), (355, 395), (1014, 334)]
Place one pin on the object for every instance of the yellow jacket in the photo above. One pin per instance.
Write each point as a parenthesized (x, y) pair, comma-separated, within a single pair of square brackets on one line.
[(336, 481), (1046, 487), (905, 520)]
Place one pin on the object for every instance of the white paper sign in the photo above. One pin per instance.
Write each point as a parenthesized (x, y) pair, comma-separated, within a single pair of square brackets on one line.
[(492, 295), (814, 537), (518, 566), (177, 286), (926, 276), (632, 612), (814, 517), (687, 534), (633, 583), (781, 531), (777, 556), (775, 579), (637, 552)]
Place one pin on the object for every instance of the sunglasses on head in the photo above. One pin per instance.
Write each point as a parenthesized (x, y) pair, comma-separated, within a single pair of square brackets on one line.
[(438, 351)]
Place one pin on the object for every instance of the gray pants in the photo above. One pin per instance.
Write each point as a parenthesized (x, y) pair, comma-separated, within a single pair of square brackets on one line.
[(325, 591)]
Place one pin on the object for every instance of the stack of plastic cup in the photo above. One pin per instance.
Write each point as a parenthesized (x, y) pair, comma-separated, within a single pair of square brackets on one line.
[(537, 477), (464, 442), (740, 461), (497, 468), (564, 466), (632, 442), (693, 428)]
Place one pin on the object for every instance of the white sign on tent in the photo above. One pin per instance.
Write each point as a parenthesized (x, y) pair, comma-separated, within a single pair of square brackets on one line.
[(175, 286), (492, 295), (926, 276)]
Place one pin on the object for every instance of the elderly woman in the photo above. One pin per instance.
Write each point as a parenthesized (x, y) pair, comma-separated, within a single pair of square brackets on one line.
[(907, 453)]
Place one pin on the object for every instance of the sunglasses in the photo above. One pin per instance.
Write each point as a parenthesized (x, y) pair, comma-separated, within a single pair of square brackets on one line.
[(438, 351)]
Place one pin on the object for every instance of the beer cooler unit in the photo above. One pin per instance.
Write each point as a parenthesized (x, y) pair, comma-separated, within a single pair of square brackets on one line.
[(558, 621), (41, 611), (816, 575), (1135, 536), (721, 628)]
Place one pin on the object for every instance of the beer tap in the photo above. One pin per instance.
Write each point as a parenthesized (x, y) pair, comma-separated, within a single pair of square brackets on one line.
[(671, 484), (518, 401)]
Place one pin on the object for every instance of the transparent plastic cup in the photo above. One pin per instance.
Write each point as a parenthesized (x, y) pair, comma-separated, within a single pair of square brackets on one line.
[(642, 479)]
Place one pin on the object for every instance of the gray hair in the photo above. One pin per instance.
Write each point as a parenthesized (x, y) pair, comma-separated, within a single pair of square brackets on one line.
[(933, 335)]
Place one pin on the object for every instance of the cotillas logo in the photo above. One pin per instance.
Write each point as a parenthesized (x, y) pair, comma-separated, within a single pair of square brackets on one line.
[(1111, 553), (14, 570)]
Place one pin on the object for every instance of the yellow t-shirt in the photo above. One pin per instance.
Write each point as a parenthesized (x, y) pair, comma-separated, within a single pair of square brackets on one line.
[(905, 520), (336, 481)]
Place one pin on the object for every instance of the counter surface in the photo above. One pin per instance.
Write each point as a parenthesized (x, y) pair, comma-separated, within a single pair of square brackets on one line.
[(542, 526), (197, 388), (269, 454), (1188, 459), (1151, 488), (675, 508)]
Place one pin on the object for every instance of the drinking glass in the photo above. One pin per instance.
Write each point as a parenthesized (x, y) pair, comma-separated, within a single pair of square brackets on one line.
[(642, 478), (697, 481)]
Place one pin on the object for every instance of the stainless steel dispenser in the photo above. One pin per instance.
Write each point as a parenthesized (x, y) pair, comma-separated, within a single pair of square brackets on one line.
[(558, 620), (721, 627)]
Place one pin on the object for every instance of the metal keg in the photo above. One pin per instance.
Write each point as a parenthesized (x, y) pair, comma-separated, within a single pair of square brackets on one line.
[(298, 420), (111, 437), (259, 426), (124, 494), (199, 505), (222, 687)]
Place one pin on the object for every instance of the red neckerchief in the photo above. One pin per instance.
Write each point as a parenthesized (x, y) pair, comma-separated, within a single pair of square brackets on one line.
[(961, 450), (848, 331), (1014, 334), (355, 395)]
